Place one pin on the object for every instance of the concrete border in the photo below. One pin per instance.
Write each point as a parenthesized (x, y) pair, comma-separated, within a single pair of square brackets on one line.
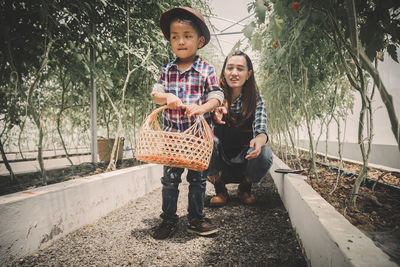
[(33, 219), (327, 237)]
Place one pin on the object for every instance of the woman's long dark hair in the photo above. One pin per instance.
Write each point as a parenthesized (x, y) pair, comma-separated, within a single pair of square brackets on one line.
[(249, 92)]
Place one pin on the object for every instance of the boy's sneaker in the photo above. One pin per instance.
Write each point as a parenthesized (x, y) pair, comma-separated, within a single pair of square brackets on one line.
[(166, 229), (201, 227)]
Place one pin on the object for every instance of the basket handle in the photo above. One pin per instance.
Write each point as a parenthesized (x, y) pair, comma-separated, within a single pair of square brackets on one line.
[(152, 120)]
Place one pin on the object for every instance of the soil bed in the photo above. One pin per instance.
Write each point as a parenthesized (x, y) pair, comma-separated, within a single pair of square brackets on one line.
[(28, 181), (377, 212)]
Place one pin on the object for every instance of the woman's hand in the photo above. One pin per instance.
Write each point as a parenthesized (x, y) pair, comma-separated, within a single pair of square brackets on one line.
[(256, 143), (173, 102), (219, 114)]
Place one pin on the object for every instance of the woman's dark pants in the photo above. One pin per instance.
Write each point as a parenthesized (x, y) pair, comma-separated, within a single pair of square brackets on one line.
[(253, 169)]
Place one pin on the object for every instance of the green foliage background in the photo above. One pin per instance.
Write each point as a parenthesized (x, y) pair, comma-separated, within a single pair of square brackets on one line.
[(57, 86)]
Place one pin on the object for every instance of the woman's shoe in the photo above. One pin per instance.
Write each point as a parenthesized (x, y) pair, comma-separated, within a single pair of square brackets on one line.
[(246, 199), (221, 192), (244, 192), (219, 200)]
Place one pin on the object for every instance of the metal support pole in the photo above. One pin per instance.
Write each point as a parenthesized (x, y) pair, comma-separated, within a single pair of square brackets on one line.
[(226, 33), (236, 23), (93, 108)]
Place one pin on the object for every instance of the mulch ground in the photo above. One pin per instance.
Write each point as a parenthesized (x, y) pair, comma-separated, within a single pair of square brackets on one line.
[(258, 235)]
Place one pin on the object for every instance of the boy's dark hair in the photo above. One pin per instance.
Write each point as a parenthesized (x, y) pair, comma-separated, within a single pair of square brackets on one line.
[(183, 18)]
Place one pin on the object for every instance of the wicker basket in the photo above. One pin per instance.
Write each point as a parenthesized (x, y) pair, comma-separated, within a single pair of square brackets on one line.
[(190, 149)]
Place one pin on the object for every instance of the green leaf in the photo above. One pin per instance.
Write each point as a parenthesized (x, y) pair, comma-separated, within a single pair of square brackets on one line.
[(235, 47), (281, 53), (249, 29), (393, 52), (276, 26), (79, 57), (256, 41), (260, 9), (250, 7), (104, 2)]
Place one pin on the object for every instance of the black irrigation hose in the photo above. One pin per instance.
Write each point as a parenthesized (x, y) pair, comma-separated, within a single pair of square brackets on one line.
[(351, 174), (49, 157), (344, 172), (379, 177), (350, 195)]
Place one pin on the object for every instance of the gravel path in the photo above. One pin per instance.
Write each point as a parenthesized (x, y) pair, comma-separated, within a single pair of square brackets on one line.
[(260, 235)]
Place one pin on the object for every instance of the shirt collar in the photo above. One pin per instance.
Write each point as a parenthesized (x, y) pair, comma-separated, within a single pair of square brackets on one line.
[(196, 64), (239, 99)]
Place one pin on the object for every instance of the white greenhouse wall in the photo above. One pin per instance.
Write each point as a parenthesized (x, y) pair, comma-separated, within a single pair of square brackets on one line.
[(384, 149)]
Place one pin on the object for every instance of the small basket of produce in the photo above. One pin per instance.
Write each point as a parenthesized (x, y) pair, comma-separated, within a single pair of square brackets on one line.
[(190, 149)]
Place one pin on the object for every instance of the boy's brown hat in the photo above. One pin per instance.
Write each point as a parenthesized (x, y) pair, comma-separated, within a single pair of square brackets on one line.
[(196, 17)]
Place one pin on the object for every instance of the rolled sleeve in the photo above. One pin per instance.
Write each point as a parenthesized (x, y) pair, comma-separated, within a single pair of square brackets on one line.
[(216, 95), (260, 120), (161, 85), (158, 88), (213, 88)]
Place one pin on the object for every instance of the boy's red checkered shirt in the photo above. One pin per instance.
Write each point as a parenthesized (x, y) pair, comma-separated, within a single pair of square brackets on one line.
[(196, 85)]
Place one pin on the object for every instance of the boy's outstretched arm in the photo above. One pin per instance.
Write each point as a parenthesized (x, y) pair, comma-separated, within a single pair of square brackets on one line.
[(194, 109), (171, 100)]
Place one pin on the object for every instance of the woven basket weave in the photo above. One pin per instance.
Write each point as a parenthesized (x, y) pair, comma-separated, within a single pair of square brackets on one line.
[(190, 149)]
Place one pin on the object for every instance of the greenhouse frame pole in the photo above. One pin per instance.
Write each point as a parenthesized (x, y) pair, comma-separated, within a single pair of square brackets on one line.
[(93, 107)]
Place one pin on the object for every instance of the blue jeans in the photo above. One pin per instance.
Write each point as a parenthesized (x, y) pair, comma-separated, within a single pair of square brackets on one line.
[(253, 169), (170, 192)]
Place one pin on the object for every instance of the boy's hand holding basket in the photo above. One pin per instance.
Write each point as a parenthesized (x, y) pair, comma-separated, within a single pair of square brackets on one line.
[(190, 149)]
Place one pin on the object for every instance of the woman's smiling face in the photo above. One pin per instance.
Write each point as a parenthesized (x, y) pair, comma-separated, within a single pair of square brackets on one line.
[(236, 71)]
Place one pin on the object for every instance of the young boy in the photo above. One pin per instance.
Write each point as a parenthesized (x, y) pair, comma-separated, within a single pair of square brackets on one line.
[(188, 86)]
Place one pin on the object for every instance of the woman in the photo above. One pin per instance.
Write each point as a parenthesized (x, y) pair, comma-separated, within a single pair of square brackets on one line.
[(239, 155)]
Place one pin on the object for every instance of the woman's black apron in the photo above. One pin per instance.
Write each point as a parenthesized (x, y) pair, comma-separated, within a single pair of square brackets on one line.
[(234, 142)]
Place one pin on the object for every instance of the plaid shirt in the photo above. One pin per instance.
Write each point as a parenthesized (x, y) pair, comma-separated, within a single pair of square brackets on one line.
[(196, 85), (260, 117)]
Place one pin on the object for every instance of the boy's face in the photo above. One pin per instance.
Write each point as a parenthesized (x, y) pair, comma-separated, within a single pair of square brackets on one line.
[(184, 40)]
